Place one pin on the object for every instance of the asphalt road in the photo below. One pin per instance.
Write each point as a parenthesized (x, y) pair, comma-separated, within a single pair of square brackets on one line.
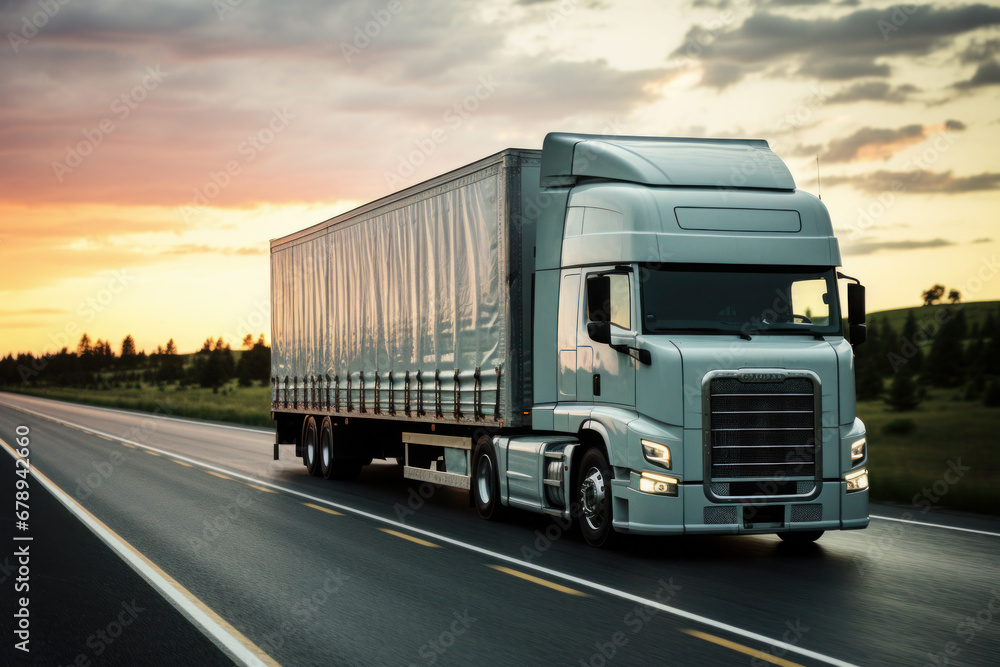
[(269, 560)]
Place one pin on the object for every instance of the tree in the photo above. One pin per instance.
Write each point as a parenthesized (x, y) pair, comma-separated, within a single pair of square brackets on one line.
[(933, 294), (946, 362), (902, 394), (909, 341), (83, 347), (171, 347), (248, 341), (128, 356), (954, 296), (255, 364)]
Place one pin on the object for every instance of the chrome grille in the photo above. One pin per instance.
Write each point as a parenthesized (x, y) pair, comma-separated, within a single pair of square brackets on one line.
[(762, 430)]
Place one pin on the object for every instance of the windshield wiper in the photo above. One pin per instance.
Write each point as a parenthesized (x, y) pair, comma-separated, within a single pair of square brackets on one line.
[(711, 330)]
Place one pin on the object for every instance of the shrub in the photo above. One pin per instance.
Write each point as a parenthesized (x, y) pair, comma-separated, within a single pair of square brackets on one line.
[(899, 427)]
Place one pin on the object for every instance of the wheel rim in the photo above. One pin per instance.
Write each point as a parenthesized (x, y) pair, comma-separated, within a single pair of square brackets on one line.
[(592, 499), (484, 480), (310, 447), (325, 452)]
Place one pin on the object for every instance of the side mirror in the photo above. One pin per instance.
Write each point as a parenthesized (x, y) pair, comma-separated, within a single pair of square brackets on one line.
[(598, 299), (599, 332), (859, 334), (855, 303)]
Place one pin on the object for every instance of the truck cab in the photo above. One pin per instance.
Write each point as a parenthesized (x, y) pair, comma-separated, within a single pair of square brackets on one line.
[(688, 346)]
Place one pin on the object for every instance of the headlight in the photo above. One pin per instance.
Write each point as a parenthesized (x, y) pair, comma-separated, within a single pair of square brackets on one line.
[(858, 450), (857, 481), (663, 485), (656, 453)]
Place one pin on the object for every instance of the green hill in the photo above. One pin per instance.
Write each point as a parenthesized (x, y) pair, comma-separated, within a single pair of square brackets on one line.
[(975, 313)]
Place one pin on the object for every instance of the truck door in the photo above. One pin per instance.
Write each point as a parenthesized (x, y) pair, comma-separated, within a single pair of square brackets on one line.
[(606, 374)]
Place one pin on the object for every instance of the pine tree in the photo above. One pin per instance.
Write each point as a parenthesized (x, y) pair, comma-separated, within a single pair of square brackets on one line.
[(902, 394)]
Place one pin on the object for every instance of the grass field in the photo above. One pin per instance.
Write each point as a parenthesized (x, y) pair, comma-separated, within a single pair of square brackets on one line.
[(240, 405), (947, 431)]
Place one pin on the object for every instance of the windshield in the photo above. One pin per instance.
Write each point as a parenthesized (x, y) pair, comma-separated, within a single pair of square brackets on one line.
[(739, 299)]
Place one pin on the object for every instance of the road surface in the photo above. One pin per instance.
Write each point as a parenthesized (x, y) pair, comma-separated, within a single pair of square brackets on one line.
[(165, 541)]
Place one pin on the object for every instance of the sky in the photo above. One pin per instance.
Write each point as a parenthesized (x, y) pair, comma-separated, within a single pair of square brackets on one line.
[(150, 150)]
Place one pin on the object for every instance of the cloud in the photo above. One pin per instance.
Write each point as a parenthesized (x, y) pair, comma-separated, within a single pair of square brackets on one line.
[(844, 47), (876, 91), (198, 248), (985, 239), (871, 143), (918, 181), (987, 74), (979, 51), (872, 247)]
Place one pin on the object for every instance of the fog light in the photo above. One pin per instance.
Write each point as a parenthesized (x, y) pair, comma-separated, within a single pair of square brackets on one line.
[(857, 481), (656, 453), (858, 450), (662, 485)]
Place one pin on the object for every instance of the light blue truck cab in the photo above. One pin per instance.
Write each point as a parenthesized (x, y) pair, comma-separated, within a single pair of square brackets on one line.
[(688, 334)]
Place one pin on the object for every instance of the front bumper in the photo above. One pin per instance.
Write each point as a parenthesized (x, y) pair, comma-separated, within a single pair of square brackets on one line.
[(692, 513)]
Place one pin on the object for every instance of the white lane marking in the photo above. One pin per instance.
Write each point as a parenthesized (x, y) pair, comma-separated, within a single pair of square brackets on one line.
[(153, 415), (614, 592), (935, 525), (221, 633)]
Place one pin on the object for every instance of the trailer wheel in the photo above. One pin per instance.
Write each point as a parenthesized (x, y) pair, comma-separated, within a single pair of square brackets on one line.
[(310, 445), (801, 537), (486, 480), (326, 448), (593, 488)]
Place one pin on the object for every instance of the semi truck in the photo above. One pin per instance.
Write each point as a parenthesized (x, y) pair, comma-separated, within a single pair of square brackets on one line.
[(640, 335)]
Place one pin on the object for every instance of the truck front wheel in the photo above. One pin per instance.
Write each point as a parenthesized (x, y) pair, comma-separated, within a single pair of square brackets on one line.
[(310, 446), (593, 489), (486, 480)]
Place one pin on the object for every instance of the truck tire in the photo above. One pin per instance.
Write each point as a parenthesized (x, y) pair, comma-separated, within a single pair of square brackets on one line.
[(310, 446), (801, 537), (326, 449), (593, 490), (486, 480)]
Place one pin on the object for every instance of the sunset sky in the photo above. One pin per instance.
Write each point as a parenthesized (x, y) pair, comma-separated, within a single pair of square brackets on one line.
[(149, 150)]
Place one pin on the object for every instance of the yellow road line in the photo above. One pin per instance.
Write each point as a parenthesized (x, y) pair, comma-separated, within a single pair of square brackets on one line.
[(323, 509), (181, 463), (218, 474), (126, 445), (150, 453), (261, 488), (411, 538), (539, 581), (767, 657), (217, 629)]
